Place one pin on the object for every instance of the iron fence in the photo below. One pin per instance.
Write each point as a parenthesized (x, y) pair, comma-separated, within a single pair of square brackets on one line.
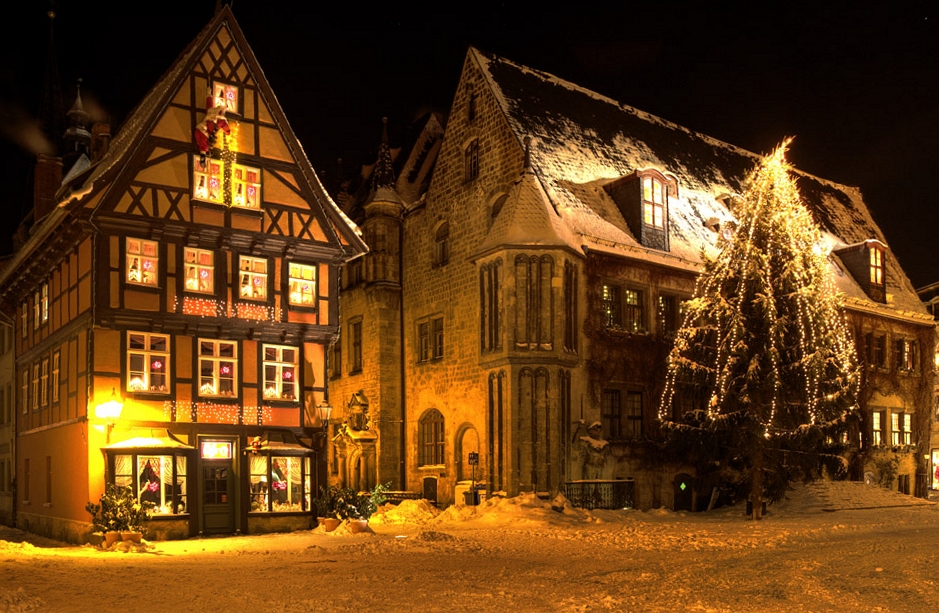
[(600, 494)]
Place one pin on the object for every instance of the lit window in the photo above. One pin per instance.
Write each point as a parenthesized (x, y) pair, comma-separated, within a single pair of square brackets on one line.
[(36, 309), (246, 187), (35, 390), (430, 439), (654, 202), (199, 270), (877, 265), (148, 360), (161, 479), (218, 367), (45, 302), (142, 262), (669, 314), (226, 96), (471, 161), (302, 284), (245, 184), (901, 431), (24, 319), (253, 274), (280, 372), (907, 355), (633, 318), (279, 484), (612, 305), (55, 376), (877, 428), (622, 308), (44, 383)]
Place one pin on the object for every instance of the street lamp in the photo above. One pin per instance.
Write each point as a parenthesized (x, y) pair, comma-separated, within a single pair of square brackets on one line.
[(110, 411), (323, 411)]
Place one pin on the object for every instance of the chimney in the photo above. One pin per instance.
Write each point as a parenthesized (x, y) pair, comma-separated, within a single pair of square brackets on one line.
[(46, 182), (100, 140)]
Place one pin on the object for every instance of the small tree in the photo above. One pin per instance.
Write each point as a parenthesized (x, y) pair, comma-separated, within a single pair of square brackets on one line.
[(119, 510), (765, 342)]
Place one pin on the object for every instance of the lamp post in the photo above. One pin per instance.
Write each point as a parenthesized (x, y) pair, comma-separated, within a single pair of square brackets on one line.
[(109, 411), (323, 411)]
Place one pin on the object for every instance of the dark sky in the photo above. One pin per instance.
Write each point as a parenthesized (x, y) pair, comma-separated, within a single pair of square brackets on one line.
[(856, 87)]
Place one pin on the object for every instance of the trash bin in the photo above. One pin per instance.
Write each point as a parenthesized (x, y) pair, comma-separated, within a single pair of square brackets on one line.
[(471, 497)]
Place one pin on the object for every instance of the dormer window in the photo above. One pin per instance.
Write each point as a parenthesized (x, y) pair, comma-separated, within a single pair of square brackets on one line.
[(642, 198), (877, 265), (654, 202), (867, 263)]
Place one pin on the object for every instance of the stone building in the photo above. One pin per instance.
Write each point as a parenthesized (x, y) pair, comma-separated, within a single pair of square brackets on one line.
[(522, 308), (174, 297), (929, 294)]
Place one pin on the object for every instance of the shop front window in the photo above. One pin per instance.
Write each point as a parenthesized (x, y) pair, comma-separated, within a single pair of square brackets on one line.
[(156, 478), (279, 484)]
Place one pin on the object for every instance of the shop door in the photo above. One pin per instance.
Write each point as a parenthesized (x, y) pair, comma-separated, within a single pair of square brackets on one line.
[(218, 508)]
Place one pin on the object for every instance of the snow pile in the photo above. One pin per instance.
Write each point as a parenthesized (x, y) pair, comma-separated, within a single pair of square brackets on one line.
[(407, 512)]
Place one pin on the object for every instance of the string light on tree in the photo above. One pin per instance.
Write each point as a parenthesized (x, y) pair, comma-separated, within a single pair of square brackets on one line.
[(765, 337)]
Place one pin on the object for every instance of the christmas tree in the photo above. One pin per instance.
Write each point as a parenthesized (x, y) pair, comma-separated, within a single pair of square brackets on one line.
[(764, 349)]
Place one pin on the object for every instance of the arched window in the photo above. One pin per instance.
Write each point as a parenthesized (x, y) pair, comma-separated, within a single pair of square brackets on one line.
[(430, 439)]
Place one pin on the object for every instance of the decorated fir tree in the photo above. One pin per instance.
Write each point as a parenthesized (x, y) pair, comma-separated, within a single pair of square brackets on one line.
[(764, 348)]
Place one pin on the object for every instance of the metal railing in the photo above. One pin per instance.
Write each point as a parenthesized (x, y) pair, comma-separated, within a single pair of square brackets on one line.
[(601, 494)]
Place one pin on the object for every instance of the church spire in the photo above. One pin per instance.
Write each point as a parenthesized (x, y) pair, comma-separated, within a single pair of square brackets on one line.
[(77, 137), (51, 108), (384, 174)]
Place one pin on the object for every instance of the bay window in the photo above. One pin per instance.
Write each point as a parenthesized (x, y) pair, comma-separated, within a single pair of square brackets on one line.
[(279, 484), (155, 477)]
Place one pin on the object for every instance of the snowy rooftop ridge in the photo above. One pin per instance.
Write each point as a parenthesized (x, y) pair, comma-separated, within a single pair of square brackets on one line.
[(582, 140)]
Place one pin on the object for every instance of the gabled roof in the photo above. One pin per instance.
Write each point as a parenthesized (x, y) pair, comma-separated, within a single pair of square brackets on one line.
[(582, 140), (142, 120)]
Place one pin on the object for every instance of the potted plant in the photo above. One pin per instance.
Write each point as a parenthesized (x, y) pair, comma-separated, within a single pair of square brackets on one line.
[(358, 507), (138, 512), (119, 512), (327, 507)]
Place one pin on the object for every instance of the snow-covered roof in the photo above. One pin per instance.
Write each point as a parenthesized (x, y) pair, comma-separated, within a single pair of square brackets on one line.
[(582, 140)]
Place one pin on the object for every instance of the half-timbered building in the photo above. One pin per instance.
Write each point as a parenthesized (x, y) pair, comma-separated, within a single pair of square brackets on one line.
[(174, 299)]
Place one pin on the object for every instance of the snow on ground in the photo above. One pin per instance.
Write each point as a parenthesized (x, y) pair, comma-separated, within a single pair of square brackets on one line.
[(830, 547)]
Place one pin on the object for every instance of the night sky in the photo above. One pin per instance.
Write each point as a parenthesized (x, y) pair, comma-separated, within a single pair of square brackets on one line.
[(856, 87)]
